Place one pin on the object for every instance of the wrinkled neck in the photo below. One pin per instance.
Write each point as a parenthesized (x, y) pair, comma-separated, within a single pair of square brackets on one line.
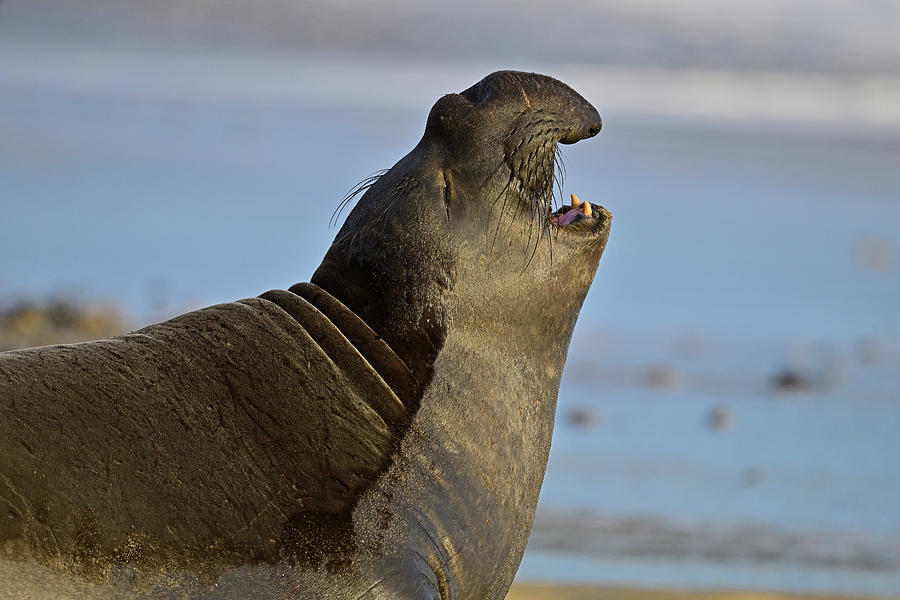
[(391, 262), (414, 331)]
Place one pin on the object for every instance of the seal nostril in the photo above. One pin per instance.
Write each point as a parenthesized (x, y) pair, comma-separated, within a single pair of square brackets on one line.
[(594, 130)]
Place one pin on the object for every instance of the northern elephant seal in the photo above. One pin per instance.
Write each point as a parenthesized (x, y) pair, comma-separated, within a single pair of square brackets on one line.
[(381, 432)]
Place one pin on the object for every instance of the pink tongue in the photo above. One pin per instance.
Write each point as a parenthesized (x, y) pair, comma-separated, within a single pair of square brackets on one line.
[(570, 215)]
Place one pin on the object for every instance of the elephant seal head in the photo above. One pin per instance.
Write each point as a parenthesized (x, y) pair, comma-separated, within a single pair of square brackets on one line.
[(465, 231)]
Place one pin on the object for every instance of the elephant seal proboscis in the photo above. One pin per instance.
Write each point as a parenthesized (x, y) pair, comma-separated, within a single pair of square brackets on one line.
[(381, 432)]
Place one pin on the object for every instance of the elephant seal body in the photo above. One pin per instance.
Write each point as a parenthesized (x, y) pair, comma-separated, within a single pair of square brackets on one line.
[(381, 432)]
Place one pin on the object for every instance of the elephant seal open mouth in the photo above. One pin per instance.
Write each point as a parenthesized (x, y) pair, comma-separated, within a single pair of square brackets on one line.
[(380, 432)]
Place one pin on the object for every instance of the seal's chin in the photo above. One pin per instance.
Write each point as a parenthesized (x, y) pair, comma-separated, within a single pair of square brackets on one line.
[(580, 218)]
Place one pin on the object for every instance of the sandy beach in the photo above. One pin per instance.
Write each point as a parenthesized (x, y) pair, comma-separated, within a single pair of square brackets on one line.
[(573, 592)]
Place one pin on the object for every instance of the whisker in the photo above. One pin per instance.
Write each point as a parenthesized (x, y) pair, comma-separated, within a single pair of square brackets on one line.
[(537, 174), (358, 189), (559, 161), (507, 189)]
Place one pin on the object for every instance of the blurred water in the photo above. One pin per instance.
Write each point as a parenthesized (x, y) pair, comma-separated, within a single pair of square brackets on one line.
[(798, 491), (738, 248)]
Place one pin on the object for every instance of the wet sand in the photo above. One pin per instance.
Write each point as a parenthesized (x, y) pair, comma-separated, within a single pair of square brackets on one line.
[(572, 592)]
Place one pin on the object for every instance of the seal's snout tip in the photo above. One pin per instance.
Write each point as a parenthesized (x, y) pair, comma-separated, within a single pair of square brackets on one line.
[(592, 122), (583, 122), (587, 129)]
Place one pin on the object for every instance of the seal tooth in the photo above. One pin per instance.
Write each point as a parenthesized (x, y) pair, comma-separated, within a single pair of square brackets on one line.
[(575, 201), (586, 209)]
